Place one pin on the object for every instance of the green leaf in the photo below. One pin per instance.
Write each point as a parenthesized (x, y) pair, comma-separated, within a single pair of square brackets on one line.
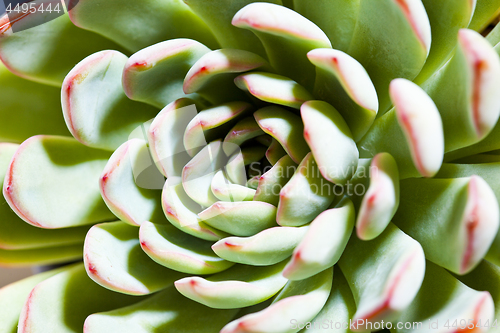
[(391, 40), (46, 52), (286, 127), (179, 251), (305, 195), (22, 100), (344, 83), (218, 16), (455, 220), (155, 74), (325, 128), (243, 218), (324, 242), (484, 13), (129, 184), (284, 31), (166, 311), (298, 300), (15, 234), (384, 274), (137, 25), (114, 259), (225, 190), (96, 110), (237, 287), (340, 22), (267, 247), (41, 256), (48, 170), (62, 302), (271, 182)]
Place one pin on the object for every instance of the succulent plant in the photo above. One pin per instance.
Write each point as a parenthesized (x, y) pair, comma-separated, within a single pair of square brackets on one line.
[(238, 166)]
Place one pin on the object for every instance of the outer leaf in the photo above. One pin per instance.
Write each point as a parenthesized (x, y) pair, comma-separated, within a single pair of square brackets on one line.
[(124, 184), (48, 50), (324, 243), (391, 40), (124, 268), (137, 25), (460, 219), (48, 170), (282, 30), (22, 100), (40, 256), (62, 302), (384, 274), (268, 247), (167, 311), (15, 234), (155, 74), (179, 251), (299, 300), (237, 287), (95, 108)]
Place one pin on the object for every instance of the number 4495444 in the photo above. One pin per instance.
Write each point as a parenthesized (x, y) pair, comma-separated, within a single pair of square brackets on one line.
[(34, 7)]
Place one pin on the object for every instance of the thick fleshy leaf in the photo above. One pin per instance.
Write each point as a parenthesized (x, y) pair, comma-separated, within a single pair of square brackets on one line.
[(155, 74), (484, 13), (414, 120), (275, 152), (48, 50), (124, 268), (182, 212), (95, 108), (325, 128), (273, 88), (286, 127), (487, 171), (381, 200), (211, 124), (165, 136), (484, 278), (271, 182), (299, 300), (166, 311), (22, 100), (324, 242), (179, 251), (384, 274), (340, 22), (391, 40), (284, 31), (446, 18), (137, 25), (243, 131), (15, 234), (244, 218), (455, 220), (127, 184), (218, 17), (225, 190), (40, 256), (212, 76), (198, 173), (237, 287), (338, 310), (62, 302), (268, 247), (472, 77), (12, 298), (48, 170), (305, 195), (444, 304), (344, 83)]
